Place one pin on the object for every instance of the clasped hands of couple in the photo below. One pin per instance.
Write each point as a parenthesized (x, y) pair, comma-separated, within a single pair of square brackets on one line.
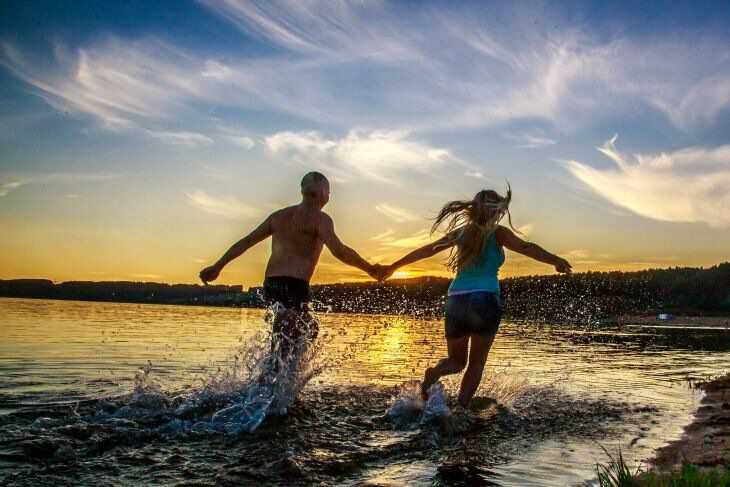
[(381, 272)]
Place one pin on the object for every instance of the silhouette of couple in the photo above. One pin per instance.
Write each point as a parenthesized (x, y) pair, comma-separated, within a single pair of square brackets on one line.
[(473, 235)]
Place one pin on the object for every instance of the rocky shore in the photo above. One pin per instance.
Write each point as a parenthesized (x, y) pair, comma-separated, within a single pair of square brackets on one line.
[(706, 441)]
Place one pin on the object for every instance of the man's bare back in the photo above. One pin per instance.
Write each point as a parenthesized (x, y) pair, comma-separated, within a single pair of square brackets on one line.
[(295, 242)]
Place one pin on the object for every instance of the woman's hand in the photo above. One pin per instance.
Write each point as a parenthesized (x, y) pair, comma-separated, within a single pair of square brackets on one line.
[(563, 266), (209, 274), (382, 272)]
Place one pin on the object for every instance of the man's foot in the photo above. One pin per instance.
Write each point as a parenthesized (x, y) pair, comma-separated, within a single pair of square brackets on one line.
[(429, 378)]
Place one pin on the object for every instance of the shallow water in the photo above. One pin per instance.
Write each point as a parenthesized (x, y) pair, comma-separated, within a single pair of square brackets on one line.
[(552, 396)]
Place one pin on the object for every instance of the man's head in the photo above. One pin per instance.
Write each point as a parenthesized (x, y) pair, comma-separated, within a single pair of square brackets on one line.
[(316, 188)]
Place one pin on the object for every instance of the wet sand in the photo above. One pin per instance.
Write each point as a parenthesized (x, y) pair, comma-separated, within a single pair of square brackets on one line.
[(332, 436), (706, 441)]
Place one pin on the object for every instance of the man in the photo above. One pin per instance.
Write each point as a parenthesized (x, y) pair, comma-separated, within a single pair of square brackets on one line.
[(298, 234)]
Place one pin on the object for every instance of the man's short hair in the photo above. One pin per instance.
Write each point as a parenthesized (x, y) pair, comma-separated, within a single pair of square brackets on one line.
[(312, 180)]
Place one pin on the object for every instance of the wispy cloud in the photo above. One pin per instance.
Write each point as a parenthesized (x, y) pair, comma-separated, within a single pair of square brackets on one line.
[(416, 240), (687, 185), (146, 276), (117, 82), (529, 141), (6, 188), (577, 254), (70, 177), (241, 141), (53, 178), (528, 70), (187, 139), (317, 28), (475, 174), (299, 142), (228, 207), (468, 70), (377, 155), (395, 213), (384, 235)]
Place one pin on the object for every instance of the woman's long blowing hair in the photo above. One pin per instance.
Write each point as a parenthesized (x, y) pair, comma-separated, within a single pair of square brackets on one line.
[(471, 223)]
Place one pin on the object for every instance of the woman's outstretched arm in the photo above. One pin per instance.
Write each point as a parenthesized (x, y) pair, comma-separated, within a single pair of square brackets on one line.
[(507, 238), (428, 250)]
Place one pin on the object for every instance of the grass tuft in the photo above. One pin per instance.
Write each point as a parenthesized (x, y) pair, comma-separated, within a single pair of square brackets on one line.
[(616, 473)]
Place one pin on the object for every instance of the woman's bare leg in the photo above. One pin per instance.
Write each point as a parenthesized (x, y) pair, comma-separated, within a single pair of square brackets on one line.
[(455, 362), (480, 346)]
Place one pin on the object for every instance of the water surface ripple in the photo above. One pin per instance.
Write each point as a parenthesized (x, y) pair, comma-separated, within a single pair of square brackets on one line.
[(553, 395)]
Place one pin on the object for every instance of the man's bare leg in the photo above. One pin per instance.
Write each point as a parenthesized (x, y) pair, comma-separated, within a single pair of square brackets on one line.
[(292, 329)]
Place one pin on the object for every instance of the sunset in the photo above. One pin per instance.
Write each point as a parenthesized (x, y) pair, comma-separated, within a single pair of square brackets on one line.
[(504, 195), (606, 125)]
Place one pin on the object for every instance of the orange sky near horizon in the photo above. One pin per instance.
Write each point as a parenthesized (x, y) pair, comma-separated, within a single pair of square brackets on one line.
[(80, 257)]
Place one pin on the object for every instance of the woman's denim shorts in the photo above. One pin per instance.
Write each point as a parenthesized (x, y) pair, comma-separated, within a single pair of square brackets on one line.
[(476, 313)]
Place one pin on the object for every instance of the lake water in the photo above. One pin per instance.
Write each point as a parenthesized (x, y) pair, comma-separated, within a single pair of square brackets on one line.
[(552, 397)]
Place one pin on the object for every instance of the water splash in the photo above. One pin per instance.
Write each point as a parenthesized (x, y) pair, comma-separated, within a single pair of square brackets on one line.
[(263, 377), (436, 407), (406, 407), (502, 388)]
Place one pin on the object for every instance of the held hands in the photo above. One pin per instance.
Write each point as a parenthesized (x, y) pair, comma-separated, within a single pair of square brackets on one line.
[(563, 266), (209, 274), (381, 272)]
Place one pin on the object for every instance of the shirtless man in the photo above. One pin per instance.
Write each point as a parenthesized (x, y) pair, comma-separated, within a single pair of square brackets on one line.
[(298, 234)]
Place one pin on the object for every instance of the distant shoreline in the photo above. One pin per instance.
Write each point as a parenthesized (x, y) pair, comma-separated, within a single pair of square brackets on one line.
[(701, 297)]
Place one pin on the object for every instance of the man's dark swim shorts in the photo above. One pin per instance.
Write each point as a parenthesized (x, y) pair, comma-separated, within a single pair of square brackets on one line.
[(291, 292), (477, 313)]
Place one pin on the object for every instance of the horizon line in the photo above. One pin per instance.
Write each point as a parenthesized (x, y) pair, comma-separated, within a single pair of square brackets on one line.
[(364, 280)]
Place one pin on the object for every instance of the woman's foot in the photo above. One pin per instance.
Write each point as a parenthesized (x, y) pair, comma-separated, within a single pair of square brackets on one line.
[(429, 378)]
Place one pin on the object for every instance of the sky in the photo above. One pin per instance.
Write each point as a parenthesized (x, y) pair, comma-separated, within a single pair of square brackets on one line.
[(139, 140)]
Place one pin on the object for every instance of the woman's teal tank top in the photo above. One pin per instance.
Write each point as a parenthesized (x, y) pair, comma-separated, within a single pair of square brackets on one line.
[(481, 274)]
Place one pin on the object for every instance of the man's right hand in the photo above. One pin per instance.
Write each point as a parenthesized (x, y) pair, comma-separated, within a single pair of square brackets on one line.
[(209, 274)]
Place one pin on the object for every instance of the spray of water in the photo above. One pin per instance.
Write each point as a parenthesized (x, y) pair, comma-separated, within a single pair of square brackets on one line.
[(501, 386), (262, 378)]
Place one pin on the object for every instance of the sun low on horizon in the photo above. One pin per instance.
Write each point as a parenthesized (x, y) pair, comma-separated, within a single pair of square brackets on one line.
[(139, 141)]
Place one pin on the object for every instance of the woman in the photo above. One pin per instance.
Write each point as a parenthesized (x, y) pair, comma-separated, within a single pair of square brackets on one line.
[(473, 307)]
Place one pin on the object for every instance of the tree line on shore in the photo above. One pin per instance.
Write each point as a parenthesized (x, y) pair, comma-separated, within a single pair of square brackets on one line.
[(585, 297)]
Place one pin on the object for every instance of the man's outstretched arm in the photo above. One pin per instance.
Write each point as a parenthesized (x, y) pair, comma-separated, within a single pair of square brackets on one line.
[(260, 233), (339, 249)]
